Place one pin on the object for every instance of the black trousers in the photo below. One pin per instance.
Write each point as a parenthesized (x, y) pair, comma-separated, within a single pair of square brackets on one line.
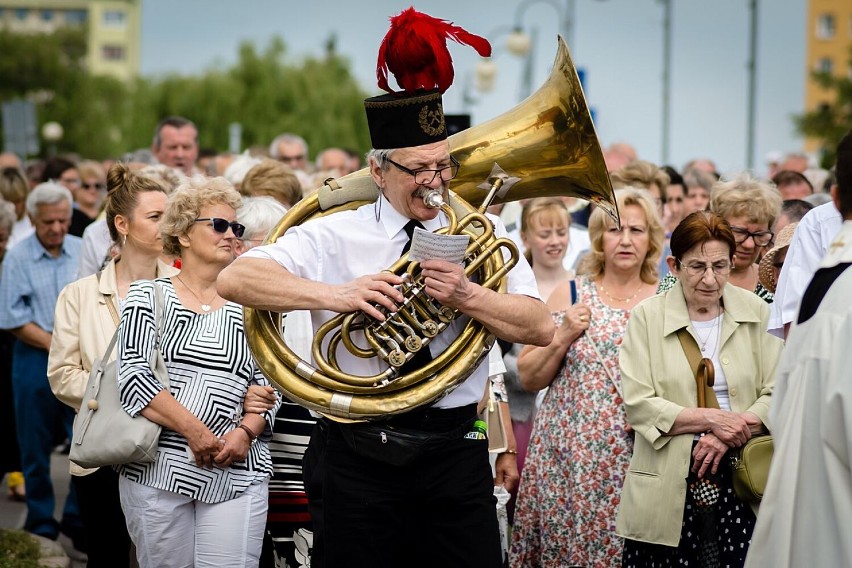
[(106, 529), (438, 510)]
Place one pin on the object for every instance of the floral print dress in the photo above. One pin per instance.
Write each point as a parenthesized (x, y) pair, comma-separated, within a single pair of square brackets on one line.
[(578, 455)]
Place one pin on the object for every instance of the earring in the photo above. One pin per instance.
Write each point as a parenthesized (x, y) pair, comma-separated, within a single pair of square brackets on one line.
[(124, 244)]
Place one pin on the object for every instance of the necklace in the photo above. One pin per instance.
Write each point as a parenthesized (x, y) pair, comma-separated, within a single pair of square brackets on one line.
[(614, 299), (716, 327), (205, 307)]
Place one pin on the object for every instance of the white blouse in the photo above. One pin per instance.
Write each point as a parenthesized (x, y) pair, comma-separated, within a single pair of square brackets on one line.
[(210, 369)]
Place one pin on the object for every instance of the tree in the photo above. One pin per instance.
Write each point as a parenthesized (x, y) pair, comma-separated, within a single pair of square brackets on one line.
[(829, 122), (317, 98)]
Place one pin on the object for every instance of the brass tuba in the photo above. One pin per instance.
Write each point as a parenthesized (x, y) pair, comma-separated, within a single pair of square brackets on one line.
[(548, 145)]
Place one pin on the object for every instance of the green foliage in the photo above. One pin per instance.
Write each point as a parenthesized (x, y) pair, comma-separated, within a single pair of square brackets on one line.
[(264, 91), (18, 550), (828, 123)]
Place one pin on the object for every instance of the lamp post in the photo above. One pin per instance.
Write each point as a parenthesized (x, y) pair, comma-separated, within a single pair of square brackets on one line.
[(667, 78), (752, 83), (523, 45), (52, 132)]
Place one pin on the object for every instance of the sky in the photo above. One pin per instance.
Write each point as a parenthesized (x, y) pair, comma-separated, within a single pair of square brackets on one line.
[(618, 43)]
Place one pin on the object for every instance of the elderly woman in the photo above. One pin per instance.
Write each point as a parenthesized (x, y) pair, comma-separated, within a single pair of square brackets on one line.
[(678, 507), (750, 207), (580, 446), (204, 500), (86, 319)]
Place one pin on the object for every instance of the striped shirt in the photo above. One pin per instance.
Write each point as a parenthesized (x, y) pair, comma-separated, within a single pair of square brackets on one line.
[(210, 369), (32, 279)]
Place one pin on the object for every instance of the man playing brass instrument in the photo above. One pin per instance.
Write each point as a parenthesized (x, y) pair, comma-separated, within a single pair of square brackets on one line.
[(434, 506)]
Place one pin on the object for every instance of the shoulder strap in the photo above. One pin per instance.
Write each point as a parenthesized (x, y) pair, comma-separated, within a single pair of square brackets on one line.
[(110, 304), (159, 306), (702, 369)]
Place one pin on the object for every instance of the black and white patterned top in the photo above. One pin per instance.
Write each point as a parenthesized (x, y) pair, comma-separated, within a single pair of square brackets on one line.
[(210, 369)]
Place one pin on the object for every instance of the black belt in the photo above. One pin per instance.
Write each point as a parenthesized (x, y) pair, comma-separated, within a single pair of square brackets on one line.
[(429, 418)]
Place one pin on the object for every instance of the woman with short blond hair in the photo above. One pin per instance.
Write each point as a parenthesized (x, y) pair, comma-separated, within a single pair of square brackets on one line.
[(203, 501)]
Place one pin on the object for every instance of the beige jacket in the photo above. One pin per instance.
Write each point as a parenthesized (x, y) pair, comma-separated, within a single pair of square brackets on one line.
[(82, 330), (658, 384)]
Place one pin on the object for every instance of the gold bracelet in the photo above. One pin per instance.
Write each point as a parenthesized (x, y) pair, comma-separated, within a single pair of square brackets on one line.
[(514, 452)]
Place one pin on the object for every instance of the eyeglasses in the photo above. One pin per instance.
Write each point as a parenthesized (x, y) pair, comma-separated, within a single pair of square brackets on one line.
[(761, 238), (721, 268), (221, 225), (96, 185), (425, 177)]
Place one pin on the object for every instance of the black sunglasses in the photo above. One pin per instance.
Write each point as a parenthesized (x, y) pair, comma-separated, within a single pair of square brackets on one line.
[(221, 225)]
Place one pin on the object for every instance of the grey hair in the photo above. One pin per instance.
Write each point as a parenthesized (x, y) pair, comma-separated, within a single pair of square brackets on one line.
[(176, 122), (699, 178), (7, 216), (286, 137), (48, 193), (380, 157), (259, 215)]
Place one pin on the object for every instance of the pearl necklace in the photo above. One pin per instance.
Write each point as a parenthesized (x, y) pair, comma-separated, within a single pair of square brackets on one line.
[(625, 300), (205, 307)]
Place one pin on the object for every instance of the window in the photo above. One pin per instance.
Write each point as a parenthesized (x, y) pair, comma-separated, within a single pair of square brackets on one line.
[(112, 52), (826, 26), (75, 17), (825, 65), (21, 14), (114, 19), (47, 15)]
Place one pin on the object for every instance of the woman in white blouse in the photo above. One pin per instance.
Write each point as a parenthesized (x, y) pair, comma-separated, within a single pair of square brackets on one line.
[(86, 318), (203, 501)]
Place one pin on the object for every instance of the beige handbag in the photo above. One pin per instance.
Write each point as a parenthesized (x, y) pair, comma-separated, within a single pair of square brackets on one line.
[(104, 433)]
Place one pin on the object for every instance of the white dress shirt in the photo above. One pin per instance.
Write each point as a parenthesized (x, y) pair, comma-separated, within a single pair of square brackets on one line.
[(342, 247), (96, 245), (810, 242)]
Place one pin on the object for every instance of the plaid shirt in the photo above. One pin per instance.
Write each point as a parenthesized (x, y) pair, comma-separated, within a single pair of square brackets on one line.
[(31, 280)]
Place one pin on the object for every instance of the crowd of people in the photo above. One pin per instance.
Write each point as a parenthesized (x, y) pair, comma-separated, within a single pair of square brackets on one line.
[(615, 456)]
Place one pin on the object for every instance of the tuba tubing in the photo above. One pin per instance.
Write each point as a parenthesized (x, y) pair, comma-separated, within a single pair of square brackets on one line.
[(549, 142)]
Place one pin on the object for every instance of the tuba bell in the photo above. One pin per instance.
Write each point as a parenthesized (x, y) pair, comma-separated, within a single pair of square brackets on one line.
[(548, 145)]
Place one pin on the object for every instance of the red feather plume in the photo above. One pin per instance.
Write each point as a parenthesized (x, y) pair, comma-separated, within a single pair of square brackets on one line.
[(415, 51)]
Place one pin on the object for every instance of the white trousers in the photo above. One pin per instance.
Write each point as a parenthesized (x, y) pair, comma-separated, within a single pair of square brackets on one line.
[(173, 531)]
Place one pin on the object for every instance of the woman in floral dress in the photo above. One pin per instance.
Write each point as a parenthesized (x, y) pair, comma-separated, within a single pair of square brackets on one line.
[(581, 445)]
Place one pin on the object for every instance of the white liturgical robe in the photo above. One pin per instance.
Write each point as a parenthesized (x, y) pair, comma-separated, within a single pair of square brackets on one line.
[(806, 513)]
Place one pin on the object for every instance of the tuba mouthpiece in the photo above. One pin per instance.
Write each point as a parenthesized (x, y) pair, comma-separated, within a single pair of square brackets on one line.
[(433, 199)]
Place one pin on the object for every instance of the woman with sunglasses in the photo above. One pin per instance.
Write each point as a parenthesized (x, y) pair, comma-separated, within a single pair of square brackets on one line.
[(750, 206), (203, 501)]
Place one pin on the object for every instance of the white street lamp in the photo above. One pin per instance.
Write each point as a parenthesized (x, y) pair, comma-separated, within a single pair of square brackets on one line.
[(52, 132)]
